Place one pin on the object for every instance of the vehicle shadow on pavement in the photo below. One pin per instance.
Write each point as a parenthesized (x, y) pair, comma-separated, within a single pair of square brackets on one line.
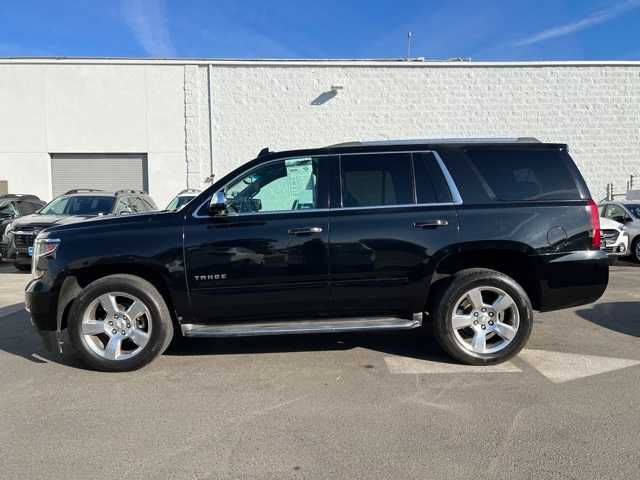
[(414, 343), (623, 317), (18, 337)]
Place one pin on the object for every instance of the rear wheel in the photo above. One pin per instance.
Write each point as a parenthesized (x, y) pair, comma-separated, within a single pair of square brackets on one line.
[(119, 323), (482, 317)]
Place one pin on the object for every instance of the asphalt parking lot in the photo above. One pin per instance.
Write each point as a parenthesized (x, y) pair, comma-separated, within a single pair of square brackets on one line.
[(332, 406)]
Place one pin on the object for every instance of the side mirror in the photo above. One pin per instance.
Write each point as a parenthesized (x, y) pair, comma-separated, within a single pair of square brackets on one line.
[(218, 203), (628, 219)]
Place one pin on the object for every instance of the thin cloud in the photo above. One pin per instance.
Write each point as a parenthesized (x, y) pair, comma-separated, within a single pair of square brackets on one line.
[(595, 18), (149, 24)]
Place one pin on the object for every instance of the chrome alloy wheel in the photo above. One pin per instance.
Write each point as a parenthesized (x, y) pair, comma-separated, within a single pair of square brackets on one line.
[(485, 320), (116, 326)]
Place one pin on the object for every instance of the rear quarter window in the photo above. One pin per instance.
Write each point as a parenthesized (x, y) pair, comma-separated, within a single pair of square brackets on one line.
[(512, 174)]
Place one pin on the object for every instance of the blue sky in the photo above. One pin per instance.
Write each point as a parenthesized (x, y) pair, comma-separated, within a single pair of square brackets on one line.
[(479, 29)]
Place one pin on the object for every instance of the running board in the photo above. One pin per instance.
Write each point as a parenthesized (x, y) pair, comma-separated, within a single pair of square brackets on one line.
[(301, 326)]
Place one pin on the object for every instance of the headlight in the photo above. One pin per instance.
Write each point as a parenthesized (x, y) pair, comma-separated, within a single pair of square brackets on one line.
[(42, 247), (8, 229)]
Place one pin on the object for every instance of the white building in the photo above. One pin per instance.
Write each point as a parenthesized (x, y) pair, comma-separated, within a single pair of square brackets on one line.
[(164, 125)]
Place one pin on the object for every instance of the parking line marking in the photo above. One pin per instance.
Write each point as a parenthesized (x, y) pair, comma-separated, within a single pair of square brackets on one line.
[(407, 365), (559, 367)]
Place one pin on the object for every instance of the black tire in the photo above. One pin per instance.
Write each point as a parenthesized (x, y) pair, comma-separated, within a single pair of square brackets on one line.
[(635, 249), (161, 331), (22, 267), (443, 302), (613, 261)]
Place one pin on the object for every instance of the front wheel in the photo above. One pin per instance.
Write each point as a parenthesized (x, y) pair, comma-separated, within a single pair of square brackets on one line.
[(482, 317), (119, 323), (635, 249), (22, 267)]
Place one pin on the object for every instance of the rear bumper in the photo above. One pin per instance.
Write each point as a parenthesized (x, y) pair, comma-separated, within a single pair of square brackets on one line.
[(571, 279)]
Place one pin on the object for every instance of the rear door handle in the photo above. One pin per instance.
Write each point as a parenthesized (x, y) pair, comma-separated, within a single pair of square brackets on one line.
[(430, 224), (305, 231)]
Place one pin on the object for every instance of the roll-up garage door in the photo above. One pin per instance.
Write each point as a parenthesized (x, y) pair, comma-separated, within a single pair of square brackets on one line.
[(98, 171)]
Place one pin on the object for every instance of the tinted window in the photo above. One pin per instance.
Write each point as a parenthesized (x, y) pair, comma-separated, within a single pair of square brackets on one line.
[(376, 180), (513, 174), (81, 205), (137, 205), (634, 208), (431, 186), (28, 207), (148, 203), (7, 209), (615, 212), (288, 184)]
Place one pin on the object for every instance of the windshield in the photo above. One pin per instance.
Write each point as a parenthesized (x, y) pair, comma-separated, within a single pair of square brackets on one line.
[(81, 205), (634, 208), (179, 202), (7, 209)]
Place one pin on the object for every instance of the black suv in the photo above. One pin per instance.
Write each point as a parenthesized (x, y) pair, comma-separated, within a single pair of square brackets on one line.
[(73, 206), (471, 236)]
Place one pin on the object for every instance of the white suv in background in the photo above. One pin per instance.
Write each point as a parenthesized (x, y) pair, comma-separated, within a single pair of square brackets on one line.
[(615, 240), (628, 214)]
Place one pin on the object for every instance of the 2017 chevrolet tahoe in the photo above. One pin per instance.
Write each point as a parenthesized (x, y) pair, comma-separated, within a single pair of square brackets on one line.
[(471, 235)]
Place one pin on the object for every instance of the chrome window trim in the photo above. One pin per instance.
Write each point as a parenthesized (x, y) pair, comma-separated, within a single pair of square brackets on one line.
[(453, 189), (455, 193)]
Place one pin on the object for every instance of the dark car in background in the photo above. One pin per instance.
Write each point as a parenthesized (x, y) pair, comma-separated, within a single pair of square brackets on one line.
[(15, 205), (74, 206), (470, 236)]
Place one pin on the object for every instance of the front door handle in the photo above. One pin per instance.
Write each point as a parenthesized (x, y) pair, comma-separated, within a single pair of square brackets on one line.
[(430, 224), (305, 231)]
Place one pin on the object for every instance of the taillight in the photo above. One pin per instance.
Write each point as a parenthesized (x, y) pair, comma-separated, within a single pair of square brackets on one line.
[(592, 208)]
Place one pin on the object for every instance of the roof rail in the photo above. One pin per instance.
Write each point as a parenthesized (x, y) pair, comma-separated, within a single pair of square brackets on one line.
[(189, 190), (418, 141), (128, 190), (20, 195), (81, 190)]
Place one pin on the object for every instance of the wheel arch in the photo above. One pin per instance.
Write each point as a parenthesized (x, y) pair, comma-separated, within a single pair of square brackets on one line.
[(74, 284), (512, 259)]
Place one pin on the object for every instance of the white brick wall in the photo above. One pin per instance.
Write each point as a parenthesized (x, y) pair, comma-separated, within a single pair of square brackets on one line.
[(593, 108), (161, 107), (196, 124)]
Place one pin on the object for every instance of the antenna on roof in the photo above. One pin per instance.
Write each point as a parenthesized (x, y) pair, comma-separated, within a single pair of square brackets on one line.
[(409, 36)]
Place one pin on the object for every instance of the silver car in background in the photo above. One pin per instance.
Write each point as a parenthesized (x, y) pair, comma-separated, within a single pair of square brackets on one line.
[(628, 214)]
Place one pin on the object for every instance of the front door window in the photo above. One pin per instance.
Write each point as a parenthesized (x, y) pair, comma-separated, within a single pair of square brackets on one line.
[(282, 185)]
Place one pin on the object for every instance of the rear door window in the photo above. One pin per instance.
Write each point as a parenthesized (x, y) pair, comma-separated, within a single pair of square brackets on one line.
[(431, 186), (513, 174), (372, 180)]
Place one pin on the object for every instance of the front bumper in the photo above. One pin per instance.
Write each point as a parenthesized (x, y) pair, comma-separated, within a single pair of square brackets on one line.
[(571, 279), (40, 300), (12, 254), (46, 302), (619, 248)]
